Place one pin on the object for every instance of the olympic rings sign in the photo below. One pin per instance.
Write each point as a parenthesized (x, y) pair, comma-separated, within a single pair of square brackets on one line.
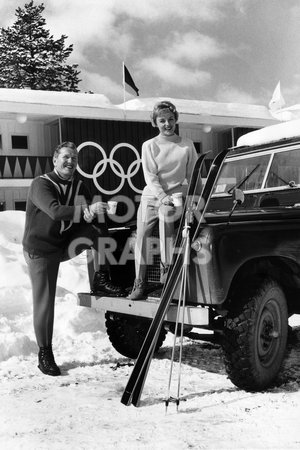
[(114, 165)]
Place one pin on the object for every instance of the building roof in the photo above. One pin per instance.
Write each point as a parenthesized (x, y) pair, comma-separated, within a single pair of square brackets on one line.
[(47, 105)]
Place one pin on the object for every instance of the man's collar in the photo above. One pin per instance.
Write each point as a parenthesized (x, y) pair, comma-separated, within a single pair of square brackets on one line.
[(63, 179)]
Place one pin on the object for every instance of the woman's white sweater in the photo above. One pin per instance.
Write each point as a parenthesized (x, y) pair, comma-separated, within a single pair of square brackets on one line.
[(167, 162)]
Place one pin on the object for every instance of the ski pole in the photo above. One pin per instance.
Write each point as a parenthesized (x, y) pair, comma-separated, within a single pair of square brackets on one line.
[(185, 274), (181, 303), (168, 399)]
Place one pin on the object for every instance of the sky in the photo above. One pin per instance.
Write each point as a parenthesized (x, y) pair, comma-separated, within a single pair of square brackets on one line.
[(210, 50)]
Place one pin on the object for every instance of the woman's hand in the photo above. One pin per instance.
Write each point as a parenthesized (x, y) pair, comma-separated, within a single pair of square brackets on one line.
[(167, 201), (98, 208)]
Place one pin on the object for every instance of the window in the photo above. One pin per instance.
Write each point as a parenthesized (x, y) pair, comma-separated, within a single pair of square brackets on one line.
[(246, 174), (20, 206), (285, 169), (19, 142), (2, 206), (198, 146)]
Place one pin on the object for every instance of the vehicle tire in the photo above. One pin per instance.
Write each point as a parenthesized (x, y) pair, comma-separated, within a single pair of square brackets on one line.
[(127, 333), (255, 335)]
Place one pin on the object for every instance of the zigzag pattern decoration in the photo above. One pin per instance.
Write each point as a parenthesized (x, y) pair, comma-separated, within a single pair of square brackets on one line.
[(24, 166)]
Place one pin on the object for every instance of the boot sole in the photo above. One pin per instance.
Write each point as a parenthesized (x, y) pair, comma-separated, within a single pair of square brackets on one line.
[(137, 299), (46, 372), (106, 294)]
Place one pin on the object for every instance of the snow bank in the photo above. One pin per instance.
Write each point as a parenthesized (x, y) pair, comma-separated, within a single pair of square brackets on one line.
[(82, 408), (73, 325)]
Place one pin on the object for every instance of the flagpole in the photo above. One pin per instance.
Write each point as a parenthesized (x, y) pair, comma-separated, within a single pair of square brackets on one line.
[(124, 92)]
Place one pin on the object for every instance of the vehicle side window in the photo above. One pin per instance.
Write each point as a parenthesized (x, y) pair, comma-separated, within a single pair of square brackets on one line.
[(285, 169)]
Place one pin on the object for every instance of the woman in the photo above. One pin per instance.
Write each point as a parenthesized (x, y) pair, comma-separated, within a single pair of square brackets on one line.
[(168, 161)]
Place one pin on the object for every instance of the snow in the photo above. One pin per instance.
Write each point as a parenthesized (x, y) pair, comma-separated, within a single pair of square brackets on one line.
[(57, 98), (271, 133), (202, 108), (288, 113), (79, 104), (82, 408)]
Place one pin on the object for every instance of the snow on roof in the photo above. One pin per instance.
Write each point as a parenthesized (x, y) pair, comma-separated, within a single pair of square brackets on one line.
[(204, 108), (271, 133), (46, 104), (289, 113), (54, 97)]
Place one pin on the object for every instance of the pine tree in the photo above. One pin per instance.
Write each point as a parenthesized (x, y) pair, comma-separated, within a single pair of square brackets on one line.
[(30, 57)]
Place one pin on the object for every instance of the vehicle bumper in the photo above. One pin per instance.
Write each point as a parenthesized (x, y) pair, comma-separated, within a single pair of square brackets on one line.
[(193, 315)]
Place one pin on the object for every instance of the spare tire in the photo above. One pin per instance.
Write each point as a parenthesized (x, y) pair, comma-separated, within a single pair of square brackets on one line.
[(127, 333)]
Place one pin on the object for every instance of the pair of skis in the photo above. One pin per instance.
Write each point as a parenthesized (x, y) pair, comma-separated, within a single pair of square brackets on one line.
[(135, 384)]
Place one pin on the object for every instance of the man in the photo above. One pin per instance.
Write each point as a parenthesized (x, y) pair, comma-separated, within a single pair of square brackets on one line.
[(60, 223)]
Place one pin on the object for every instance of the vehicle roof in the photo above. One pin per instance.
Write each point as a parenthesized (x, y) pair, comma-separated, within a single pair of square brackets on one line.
[(235, 151), (272, 133), (274, 136)]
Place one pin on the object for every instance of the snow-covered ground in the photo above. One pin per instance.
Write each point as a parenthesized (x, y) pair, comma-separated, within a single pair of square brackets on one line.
[(82, 409)]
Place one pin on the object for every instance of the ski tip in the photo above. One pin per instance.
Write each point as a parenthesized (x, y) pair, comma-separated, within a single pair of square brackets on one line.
[(126, 398), (136, 403)]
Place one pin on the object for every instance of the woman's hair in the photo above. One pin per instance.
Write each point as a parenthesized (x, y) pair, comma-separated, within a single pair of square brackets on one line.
[(158, 107), (67, 144)]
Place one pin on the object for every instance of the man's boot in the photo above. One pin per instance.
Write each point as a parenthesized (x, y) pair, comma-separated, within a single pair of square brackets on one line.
[(47, 364), (104, 287)]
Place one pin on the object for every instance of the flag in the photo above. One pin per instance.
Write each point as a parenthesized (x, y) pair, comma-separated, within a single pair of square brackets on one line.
[(128, 80), (277, 101)]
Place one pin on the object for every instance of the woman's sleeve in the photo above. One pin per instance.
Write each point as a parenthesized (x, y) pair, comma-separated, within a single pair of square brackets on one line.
[(150, 171), (192, 158)]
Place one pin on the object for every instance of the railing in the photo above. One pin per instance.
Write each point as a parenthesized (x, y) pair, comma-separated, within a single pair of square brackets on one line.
[(24, 166)]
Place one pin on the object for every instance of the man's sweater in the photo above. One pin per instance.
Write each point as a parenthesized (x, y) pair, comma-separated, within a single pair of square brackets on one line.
[(167, 162), (53, 207)]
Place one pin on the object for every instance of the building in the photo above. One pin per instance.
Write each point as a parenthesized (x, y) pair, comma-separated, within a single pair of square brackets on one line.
[(108, 137)]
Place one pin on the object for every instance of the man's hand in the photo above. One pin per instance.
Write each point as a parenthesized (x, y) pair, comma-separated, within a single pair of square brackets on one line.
[(87, 215), (98, 208)]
